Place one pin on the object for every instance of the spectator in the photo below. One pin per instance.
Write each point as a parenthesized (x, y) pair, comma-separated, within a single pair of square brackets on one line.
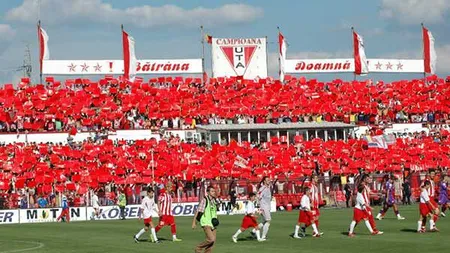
[(42, 202), (406, 193)]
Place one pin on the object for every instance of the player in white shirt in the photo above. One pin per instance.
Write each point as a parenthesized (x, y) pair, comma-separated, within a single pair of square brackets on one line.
[(360, 212), (306, 217), (249, 220), (95, 203), (427, 209), (265, 198), (148, 205)]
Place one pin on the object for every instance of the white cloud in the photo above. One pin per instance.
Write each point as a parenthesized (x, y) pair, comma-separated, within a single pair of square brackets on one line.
[(443, 61), (7, 33), (82, 11), (415, 11)]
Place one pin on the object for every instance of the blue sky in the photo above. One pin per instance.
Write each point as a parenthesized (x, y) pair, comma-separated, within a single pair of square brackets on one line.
[(90, 29)]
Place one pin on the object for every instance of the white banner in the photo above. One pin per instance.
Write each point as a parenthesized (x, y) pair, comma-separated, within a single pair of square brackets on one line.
[(178, 209), (104, 67), (9, 216), (107, 212), (239, 57), (309, 66), (50, 214), (62, 136)]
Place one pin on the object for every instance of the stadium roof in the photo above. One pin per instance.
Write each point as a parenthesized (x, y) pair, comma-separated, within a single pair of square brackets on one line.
[(270, 126)]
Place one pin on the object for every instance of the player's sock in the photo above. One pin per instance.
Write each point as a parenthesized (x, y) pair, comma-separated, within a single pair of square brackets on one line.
[(432, 224), (140, 233), (372, 223), (265, 229), (369, 227), (380, 214), (314, 227), (158, 228), (258, 235), (297, 228), (254, 231), (419, 226), (238, 232), (174, 237), (352, 227), (154, 235), (443, 208), (173, 229)]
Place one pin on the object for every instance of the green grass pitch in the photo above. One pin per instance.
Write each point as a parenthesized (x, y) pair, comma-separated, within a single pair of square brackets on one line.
[(116, 236)]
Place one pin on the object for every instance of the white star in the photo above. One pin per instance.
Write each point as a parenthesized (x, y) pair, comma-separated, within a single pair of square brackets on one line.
[(84, 67), (72, 67), (98, 67)]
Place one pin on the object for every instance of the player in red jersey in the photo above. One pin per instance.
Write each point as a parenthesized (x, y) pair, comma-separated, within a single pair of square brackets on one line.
[(165, 212), (431, 190), (306, 216), (360, 213), (316, 199), (366, 181), (427, 209)]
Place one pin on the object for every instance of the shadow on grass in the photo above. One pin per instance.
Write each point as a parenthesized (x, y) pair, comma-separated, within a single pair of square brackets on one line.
[(409, 230)]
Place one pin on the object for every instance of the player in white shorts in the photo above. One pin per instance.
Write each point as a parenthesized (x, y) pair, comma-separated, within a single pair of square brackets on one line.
[(265, 199), (148, 206), (95, 203)]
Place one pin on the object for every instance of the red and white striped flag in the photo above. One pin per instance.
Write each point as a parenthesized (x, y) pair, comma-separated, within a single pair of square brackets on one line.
[(361, 65), (44, 53), (129, 57), (282, 56), (429, 52)]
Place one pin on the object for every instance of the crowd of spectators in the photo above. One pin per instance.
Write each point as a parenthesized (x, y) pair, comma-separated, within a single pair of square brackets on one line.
[(183, 103), (36, 174), (45, 170)]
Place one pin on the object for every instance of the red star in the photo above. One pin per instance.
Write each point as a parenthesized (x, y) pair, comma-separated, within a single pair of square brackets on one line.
[(389, 66), (399, 66), (98, 68), (378, 65), (84, 68), (72, 67)]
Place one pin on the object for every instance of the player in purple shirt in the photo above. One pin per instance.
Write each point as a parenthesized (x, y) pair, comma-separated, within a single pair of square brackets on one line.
[(443, 195), (389, 200)]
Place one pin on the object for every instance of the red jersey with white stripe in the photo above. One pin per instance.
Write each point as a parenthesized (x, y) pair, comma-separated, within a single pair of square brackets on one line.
[(165, 201), (315, 196), (366, 195)]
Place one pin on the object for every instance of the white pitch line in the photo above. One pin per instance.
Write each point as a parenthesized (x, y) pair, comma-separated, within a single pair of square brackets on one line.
[(39, 245)]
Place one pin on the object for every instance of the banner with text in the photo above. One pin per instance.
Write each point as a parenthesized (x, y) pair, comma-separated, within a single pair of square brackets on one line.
[(245, 57), (9, 216), (50, 214), (309, 66), (108, 212), (104, 67)]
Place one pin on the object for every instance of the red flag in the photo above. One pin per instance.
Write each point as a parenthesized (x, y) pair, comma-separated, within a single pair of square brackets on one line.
[(429, 52), (282, 54), (129, 57), (361, 66), (44, 53), (208, 39)]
